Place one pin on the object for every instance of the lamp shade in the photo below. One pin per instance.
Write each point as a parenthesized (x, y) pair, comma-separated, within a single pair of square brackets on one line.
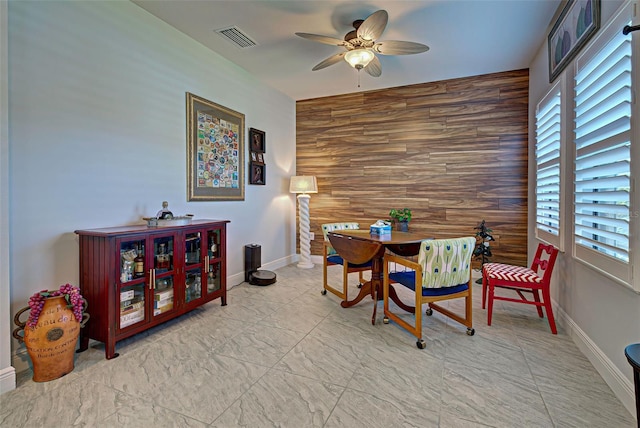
[(359, 58), (303, 184)]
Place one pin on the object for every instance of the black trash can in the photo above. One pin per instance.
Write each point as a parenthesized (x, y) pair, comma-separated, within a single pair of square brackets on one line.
[(632, 352), (252, 261)]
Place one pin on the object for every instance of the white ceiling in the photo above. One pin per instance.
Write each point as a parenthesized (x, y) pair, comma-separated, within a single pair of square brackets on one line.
[(466, 38)]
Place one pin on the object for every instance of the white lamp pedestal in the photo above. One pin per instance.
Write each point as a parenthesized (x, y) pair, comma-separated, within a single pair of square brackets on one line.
[(305, 237)]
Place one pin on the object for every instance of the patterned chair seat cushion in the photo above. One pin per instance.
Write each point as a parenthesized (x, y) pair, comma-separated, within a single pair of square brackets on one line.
[(506, 272)]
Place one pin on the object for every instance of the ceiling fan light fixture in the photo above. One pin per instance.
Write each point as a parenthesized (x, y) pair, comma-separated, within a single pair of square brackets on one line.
[(359, 58)]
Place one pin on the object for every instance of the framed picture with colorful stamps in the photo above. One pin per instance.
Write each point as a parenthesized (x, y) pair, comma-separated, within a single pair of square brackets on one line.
[(215, 151)]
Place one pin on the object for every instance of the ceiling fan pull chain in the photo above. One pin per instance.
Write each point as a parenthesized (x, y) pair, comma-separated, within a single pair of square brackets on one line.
[(358, 78)]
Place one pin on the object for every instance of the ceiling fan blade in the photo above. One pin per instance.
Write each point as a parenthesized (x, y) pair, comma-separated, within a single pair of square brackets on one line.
[(322, 39), (373, 27), (374, 68), (394, 47), (329, 61)]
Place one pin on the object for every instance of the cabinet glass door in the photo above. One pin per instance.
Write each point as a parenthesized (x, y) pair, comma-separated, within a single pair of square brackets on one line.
[(193, 285), (192, 249), (163, 274), (131, 305), (132, 260), (163, 295), (163, 247), (212, 267), (131, 282)]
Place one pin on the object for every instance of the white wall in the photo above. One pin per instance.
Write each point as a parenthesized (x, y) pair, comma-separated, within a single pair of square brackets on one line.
[(602, 316), (7, 372), (97, 137)]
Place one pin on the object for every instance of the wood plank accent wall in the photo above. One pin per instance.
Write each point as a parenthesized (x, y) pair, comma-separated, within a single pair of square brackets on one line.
[(453, 151)]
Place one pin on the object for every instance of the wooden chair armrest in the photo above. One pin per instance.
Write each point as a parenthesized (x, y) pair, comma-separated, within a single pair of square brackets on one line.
[(325, 248), (391, 258)]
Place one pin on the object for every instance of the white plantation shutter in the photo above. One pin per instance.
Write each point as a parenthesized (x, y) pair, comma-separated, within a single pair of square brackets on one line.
[(548, 132), (602, 154)]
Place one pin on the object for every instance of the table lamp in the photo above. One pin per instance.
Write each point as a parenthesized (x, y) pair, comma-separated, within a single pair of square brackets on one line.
[(303, 185)]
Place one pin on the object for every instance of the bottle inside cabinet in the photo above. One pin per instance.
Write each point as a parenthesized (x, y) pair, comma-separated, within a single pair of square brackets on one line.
[(138, 263), (163, 254), (213, 243)]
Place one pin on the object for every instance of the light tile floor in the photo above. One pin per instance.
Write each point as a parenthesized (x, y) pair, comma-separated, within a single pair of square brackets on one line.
[(286, 356)]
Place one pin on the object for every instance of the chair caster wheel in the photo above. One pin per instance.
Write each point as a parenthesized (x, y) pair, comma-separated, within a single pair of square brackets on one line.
[(421, 344), (385, 320), (471, 331), (429, 312), (323, 292)]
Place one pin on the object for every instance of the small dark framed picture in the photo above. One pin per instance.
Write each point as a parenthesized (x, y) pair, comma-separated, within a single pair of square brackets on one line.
[(256, 140), (253, 156), (257, 174), (260, 158)]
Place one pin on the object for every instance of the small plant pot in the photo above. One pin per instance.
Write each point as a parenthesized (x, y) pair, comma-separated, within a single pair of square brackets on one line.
[(402, 226)]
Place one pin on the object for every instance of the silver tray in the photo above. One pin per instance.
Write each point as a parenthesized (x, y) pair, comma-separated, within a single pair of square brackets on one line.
[(176, 221)]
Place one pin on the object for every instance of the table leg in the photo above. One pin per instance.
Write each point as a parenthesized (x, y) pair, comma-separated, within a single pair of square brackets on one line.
[(394, 296), (364, 292)]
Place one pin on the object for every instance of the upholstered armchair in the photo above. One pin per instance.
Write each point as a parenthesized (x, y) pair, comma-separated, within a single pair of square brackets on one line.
[(442, 272)]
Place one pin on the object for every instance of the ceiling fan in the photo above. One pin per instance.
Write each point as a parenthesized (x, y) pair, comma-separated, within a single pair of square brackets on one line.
[(361, 45)]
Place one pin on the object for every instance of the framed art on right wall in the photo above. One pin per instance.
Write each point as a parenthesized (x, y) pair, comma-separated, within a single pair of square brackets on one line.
[(578, 22)]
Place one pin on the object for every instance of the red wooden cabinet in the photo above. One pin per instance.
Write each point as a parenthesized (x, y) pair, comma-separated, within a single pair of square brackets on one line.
[(136, 277)]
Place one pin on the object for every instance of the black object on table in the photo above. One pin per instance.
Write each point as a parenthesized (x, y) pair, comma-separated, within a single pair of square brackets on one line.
[(632, 353)]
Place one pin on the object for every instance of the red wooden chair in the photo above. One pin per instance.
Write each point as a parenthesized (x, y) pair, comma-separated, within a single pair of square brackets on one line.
[(522, 280)]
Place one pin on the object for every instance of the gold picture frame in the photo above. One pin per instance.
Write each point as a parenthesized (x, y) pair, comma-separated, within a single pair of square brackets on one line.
[(215, 151)]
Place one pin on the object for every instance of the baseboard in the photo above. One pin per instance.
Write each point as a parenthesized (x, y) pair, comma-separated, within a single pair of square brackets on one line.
[(238, 278), (7, 379), (621, 386), (20, 359), (277, 264)]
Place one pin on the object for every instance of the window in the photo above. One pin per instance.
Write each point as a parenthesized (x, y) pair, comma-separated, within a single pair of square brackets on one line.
[(603, 105), (548, 136)]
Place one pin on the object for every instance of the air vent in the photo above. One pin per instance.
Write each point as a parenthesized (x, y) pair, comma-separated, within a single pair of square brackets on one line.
[(237, 36)]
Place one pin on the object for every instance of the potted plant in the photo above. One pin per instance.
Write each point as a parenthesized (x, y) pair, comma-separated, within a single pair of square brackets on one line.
[(51, 331), (482, 251), (401, 217)]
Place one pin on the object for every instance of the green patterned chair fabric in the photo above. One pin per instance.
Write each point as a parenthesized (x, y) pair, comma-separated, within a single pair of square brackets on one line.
[(330, 227), (446, 262)]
